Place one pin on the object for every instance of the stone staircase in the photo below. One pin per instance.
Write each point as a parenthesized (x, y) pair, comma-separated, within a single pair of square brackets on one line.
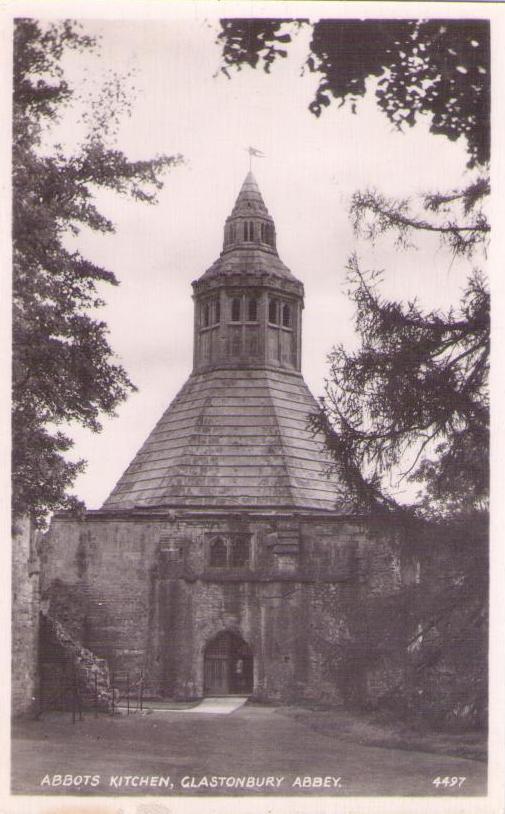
[(65, 665)]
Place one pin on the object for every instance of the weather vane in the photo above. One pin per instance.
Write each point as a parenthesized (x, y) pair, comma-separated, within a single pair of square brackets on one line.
[(253, 151)]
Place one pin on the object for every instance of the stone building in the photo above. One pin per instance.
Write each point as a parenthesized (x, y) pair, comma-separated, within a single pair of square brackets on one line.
[(226, 559)]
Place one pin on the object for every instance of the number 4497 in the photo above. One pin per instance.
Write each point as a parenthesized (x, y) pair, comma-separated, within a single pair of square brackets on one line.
[(449, 782)]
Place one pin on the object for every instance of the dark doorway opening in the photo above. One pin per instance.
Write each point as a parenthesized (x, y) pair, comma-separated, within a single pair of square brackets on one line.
[(228, 666)]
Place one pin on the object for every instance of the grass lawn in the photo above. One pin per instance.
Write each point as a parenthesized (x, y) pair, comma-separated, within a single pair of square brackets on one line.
[(352, 754), (377, 730)]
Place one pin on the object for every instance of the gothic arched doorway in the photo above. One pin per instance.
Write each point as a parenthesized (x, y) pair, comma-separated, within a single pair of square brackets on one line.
[(228, 666)]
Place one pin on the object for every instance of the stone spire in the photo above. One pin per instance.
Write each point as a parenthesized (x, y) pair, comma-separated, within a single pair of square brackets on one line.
[(249, 198), (250, 222)]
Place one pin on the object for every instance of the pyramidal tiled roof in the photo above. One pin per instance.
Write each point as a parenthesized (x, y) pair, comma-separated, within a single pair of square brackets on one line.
[(233, 438)]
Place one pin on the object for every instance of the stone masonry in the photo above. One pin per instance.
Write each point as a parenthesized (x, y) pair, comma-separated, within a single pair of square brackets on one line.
[(227, 558), (25, 619)]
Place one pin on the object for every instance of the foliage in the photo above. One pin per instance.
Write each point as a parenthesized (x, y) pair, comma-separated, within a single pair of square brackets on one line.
[(411, 401), (63, 366), (252, 41), (440, 67), (463, 231), (415, 390), (425, 643)]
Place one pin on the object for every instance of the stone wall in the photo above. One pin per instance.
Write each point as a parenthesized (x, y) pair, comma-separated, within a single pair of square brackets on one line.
[(144, 595), (25, 620)]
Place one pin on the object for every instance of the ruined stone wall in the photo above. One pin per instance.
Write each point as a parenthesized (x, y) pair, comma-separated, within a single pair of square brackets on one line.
[(96, 579), (70, 675), (143, 594), (25, 620)]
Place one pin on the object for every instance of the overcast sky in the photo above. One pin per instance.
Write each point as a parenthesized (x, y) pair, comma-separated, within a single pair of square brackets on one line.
[(310, 170)]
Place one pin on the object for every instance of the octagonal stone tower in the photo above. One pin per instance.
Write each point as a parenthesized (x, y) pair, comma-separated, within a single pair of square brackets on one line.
[(248, 305), (238, 434)]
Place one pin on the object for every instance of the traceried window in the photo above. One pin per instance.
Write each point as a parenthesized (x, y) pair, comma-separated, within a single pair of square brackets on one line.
[(235, 309), (206, 315), (239, 550), (230, 551), (273, 311), (248, 230), (286, 316), (218, 553), (252, 309), (229, 234)]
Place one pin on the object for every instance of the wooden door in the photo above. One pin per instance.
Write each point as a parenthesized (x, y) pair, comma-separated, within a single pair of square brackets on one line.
[(217, 675), (241, 673), (228, 666)]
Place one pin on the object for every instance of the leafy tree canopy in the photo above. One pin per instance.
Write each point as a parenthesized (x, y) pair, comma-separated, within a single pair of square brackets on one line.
[(439, 67), (63, 366), (412, 399)]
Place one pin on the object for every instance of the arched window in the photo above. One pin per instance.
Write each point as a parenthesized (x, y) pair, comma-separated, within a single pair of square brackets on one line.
[(232, 233), (230, 552), (217, 311), (235, 309), (252, 309), (218, 554), (286, 316), (248, 230), (206, 315), (273, 311), (263, 233), (239, 550)]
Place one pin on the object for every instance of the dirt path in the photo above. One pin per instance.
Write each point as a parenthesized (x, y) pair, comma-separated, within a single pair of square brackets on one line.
[(202, 754)]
